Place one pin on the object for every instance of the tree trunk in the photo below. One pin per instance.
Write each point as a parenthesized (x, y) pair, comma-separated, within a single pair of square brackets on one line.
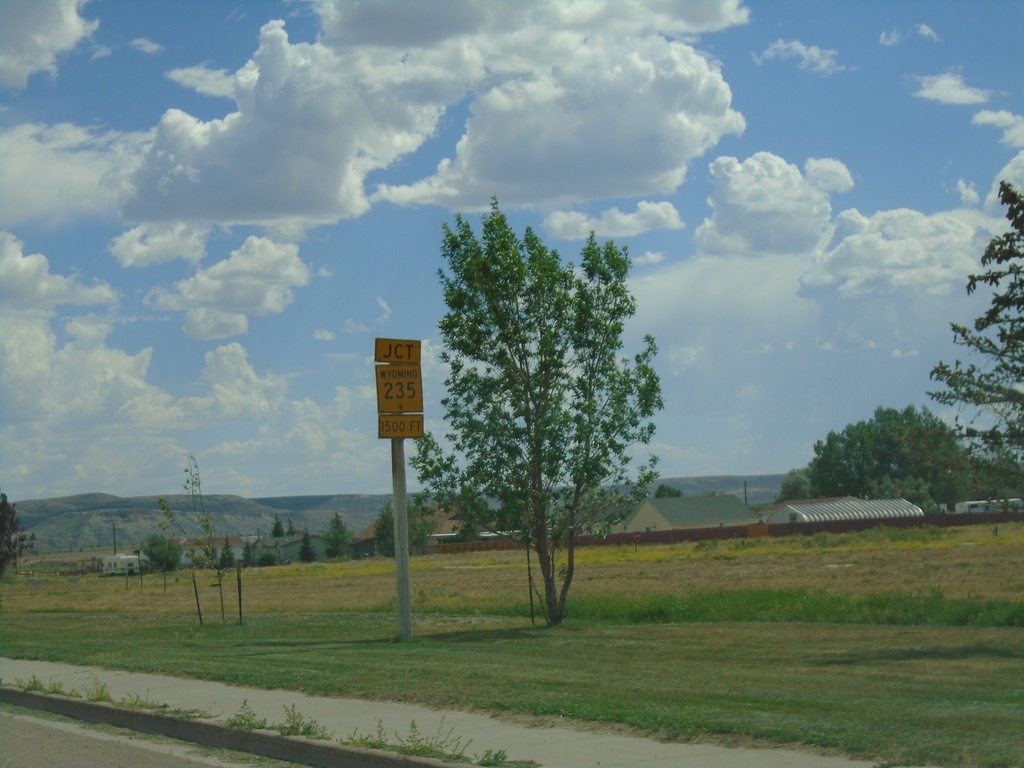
[(195, 588), (546, 549), (220, 587), (570, 569), (552, 605)]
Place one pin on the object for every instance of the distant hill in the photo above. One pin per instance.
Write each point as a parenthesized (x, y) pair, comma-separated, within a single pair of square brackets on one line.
[(758, 489), (93, 520)]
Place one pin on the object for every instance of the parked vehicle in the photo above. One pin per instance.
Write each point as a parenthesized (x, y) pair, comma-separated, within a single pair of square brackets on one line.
[(989, 505), (120, 565)]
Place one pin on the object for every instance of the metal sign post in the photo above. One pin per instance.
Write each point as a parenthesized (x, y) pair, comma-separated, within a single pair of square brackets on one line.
[(403, 601), (399, 415)]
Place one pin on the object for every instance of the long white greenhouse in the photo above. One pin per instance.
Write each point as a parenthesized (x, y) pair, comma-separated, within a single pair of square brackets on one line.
[(845, 509)]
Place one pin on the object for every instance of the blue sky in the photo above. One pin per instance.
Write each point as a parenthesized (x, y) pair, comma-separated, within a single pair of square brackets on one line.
[(208, 210)]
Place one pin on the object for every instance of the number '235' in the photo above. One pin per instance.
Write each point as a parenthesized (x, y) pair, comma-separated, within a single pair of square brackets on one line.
[(399, 390)]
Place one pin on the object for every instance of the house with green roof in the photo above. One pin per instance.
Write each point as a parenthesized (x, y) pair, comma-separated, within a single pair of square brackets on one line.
[(666, 514)]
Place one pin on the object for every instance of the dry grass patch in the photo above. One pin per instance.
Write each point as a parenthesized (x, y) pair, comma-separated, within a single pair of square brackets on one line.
[(974, 563)]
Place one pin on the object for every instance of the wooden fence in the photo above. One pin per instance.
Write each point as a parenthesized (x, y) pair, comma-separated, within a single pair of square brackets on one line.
[(485, 545), (723, 532)]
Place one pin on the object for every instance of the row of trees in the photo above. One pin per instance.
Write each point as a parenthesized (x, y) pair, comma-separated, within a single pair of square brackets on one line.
[(164, 552), (910, 454)]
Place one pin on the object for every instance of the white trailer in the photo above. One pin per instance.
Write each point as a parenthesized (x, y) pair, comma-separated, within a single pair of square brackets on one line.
[(120, 565), (988, 505)]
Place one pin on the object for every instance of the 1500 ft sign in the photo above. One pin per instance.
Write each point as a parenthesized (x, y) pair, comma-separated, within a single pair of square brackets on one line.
[(399, 425), (398, 389)]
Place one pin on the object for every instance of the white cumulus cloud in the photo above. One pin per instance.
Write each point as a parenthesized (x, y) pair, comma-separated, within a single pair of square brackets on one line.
[(564, 109), (648, 258), (895, 37), (33, 33), (400, 24), (764, 206), (27, 283), (55, 173), (85, 414), (1012, 125), (890, 38), (319, 441), (570, 225), (146, 46), (154, 243), (950, 88), (811, 57), (968, 194), (208, 82), (898, 250), (236, 390), (828, 175), (257, 279), (566, 104), (309, 125)]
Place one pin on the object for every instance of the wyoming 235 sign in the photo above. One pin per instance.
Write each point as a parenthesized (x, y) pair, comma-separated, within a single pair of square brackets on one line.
[(399, 388)]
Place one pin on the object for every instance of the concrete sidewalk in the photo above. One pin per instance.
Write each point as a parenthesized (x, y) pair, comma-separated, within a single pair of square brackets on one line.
[(550, 747)]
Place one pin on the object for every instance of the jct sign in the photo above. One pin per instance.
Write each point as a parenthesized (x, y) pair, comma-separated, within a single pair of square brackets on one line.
[(399, 390), (396, 351)]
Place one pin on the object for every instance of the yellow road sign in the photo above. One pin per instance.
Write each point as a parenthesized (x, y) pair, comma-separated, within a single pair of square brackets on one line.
[(398, 425), (398, 389), (402, 351)]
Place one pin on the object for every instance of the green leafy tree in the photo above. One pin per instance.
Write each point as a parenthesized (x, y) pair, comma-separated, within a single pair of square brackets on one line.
[(163, 552), (277, 530), (248, 555), (306, 552), (384, 531), (266, 559), (13, 542), (337, 538), (990, 391), (465, 531), (227, 555), (667, 492), (542, 406), (291, 528), (909, 454), (796, 485), (421, 522)]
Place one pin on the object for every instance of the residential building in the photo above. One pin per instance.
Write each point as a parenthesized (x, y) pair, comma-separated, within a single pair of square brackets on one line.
[(675, 512)]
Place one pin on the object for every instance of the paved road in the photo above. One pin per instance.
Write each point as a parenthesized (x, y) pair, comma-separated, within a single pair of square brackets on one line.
[(30, 742)]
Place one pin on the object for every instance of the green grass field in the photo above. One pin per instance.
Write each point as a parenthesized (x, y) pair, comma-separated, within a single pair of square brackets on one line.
[(906, 647)]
